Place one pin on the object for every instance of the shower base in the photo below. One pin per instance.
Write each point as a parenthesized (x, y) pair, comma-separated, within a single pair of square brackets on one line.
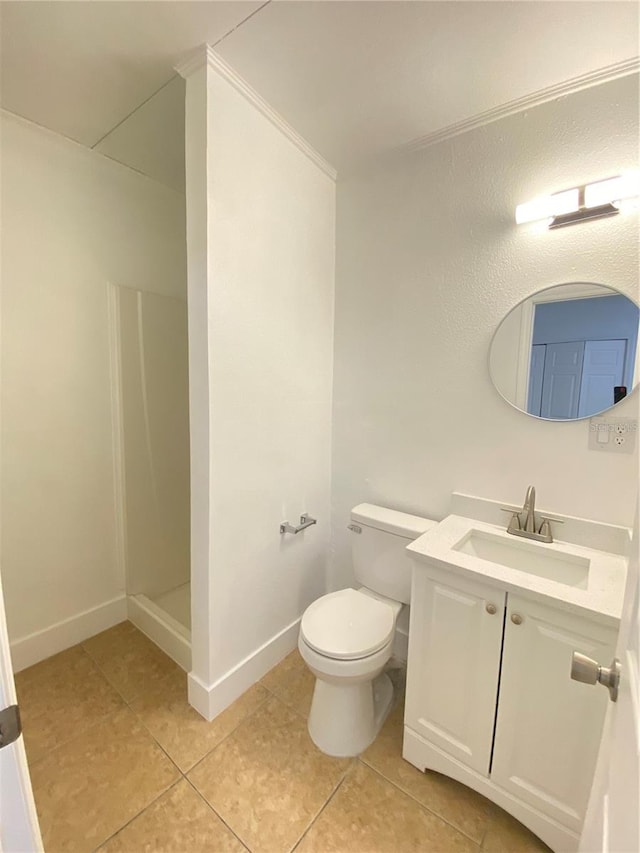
[(165, 619)]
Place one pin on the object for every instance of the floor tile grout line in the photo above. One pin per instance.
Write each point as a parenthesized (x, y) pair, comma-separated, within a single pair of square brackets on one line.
[(101, 720), (323, 807), (161, 794), (130, 702), (227, 736), (157, 742), (490, 823), (248, 717), (422, 805), (126, 705), (137, 815), (217, 814), (104, 674), (115, 687), (284, 702), (32, 762), (270, 694)]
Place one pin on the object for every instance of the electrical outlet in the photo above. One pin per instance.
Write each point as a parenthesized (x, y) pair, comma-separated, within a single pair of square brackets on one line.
[(617, 435)]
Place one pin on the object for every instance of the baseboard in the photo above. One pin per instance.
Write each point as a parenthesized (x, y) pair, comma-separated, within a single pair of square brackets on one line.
[(165, 631), (56, 638), (211, 700)]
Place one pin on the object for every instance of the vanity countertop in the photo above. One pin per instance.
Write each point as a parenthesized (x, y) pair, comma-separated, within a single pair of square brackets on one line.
[(605, 584)]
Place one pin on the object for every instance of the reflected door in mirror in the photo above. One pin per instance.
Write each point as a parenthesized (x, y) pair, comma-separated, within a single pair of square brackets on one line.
[(566, 352)]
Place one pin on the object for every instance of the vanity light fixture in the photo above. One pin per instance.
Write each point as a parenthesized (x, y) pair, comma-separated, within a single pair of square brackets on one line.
[(591, 201), (547, 206), (613, 190)]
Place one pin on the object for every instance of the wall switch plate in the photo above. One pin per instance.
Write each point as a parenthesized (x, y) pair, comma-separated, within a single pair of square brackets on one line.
[(617, 435)]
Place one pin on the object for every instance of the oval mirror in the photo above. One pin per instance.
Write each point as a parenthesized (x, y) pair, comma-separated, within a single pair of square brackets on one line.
[(567, 352)]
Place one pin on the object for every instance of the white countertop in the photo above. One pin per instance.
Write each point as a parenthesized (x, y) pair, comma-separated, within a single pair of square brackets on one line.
[(605, 586)]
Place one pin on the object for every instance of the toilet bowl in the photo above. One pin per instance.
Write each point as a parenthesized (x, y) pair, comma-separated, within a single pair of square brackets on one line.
[(346, 637)]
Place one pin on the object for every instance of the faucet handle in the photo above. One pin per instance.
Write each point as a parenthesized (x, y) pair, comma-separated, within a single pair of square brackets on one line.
[(515, 517), (545, 519), (545, 528)]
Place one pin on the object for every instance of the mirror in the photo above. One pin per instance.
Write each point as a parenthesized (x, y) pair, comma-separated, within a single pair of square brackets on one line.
[(567, 352)]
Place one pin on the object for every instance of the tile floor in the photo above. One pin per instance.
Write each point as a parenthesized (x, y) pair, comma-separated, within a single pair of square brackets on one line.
[(121, 763)]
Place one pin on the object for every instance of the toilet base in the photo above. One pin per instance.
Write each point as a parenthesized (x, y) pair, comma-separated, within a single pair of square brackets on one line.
[(345, 719)]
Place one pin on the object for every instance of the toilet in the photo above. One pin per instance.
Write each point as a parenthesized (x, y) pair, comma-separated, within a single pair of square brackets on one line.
[(346, 637)]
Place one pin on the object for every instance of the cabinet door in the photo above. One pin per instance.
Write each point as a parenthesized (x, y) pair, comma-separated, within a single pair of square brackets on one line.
[(548, 728), (454, 661)]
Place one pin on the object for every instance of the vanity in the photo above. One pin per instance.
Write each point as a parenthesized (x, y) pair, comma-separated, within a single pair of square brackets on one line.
[(495, 621)]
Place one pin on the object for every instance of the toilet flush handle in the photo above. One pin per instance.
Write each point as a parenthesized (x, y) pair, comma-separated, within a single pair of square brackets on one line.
[(354, 528)]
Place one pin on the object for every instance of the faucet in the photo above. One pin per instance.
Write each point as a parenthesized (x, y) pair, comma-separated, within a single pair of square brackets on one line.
[(525, 523), (529, 510)]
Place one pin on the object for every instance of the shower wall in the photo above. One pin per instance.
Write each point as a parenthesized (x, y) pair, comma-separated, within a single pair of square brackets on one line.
[(154, 395)]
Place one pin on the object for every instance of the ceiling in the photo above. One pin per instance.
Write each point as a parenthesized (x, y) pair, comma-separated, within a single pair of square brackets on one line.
[(355, 79)]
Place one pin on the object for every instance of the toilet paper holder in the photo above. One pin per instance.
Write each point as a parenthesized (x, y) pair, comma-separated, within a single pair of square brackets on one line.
[(305, 521)]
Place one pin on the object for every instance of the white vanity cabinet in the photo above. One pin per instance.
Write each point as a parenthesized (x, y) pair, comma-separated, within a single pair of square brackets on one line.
[(490, 701), (454, 665)]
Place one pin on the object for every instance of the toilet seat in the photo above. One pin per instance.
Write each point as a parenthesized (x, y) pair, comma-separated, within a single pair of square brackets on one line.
[(347, 625)]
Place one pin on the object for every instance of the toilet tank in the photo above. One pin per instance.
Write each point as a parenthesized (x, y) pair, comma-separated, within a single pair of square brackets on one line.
[(380, 561)]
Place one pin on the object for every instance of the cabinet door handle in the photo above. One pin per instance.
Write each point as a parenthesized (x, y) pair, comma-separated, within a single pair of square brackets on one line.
[(491, 609), (517, 619)]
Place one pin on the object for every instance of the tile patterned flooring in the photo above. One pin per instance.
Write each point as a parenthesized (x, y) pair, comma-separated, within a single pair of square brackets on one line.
[(122, 764)]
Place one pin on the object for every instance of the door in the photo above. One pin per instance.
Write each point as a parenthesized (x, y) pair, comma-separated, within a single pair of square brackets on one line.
[(454, 663), (611, 824), (548, 727), (561, 381), (603, 367), (19, 830)]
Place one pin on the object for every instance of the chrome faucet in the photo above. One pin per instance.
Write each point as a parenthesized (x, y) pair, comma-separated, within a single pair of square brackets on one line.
[(525, 523)]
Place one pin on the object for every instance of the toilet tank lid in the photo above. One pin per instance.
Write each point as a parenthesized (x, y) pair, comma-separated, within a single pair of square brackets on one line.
[(391, 521)]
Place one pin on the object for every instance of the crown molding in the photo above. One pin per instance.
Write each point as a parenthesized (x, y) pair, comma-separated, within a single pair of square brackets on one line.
[(192, 61), (206, 55), (542, 96)]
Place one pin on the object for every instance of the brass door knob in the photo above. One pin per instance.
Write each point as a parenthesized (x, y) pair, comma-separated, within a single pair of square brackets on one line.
[(516, 618)]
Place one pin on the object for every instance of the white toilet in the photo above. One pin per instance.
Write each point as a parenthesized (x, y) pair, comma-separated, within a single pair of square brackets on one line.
[(346, 637)]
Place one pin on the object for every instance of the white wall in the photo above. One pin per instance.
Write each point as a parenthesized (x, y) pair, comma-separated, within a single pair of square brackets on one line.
[(269, 301), (505, 354), (429, 260), (72, 222)]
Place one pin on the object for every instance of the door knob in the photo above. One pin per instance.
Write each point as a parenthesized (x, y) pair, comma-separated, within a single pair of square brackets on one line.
[(589, 671)]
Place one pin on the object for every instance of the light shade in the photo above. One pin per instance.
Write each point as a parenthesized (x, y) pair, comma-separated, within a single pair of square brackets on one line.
[(548, 206), (612, 190)]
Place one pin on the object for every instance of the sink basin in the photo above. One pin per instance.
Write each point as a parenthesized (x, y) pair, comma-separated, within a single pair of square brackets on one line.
[(528, 557)]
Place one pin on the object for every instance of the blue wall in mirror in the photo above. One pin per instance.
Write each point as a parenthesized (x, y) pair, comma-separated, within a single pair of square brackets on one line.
[(592, 319)]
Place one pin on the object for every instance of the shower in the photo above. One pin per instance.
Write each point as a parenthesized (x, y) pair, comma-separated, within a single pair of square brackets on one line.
[(151, 367)]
